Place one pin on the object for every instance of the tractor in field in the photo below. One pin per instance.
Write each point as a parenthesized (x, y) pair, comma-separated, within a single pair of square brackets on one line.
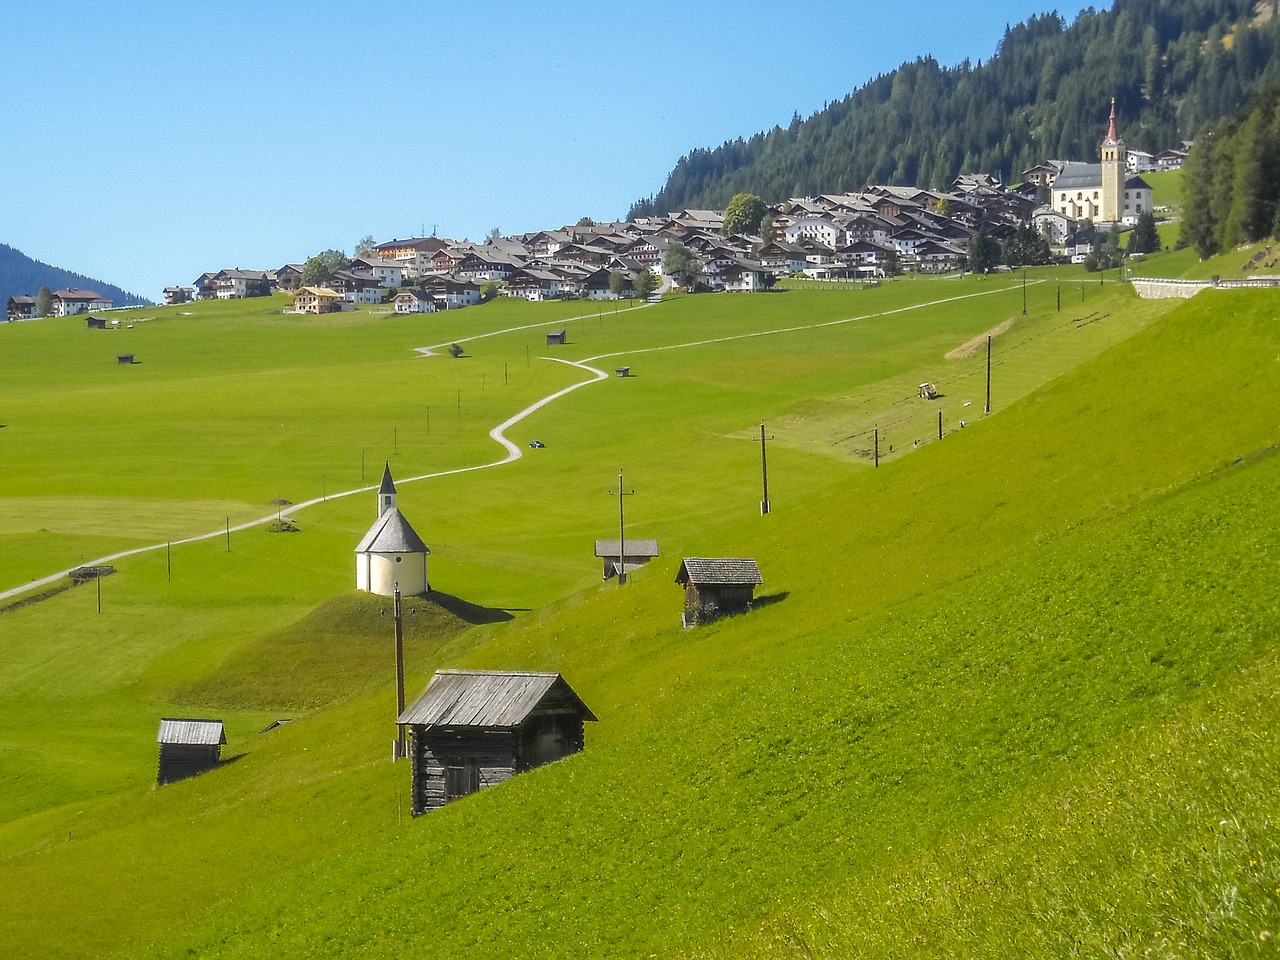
[(928, 391)]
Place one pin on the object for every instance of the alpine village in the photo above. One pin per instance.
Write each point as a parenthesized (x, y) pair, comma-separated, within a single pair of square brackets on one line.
[(867, 546)]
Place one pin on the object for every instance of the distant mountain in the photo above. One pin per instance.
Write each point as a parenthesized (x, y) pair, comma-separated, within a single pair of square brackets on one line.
[(22, 276), (1173, 66)]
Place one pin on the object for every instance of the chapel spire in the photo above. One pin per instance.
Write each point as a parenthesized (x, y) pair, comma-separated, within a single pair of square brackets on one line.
[(386, 491)]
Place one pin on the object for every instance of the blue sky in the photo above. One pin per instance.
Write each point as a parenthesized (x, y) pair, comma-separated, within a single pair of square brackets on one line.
[(145, 143)]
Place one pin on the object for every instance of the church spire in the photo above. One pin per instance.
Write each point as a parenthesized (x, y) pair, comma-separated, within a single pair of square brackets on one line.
[(386, 490), (1112, 136)]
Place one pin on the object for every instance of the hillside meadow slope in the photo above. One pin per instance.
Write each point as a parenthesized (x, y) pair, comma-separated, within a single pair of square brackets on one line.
[(1013, 688)]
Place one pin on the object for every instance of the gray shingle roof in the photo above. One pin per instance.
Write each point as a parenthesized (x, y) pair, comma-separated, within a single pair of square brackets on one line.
[(486, 698), (718, 570), (634, 548), (1079, 176), (191, 732), (392, 533)]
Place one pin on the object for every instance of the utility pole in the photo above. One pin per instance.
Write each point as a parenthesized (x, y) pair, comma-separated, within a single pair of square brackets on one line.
[(875, 446), (939, 424), (764, 471), (622, 529), (400, 745), (228, 534), (168, 561), (988, 408), (1024, 290)]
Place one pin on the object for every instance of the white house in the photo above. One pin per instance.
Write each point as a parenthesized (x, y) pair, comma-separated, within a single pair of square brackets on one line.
[(414, 301), (68, 303), (391, 553), (387, 274), (824, 230), (1055, 223)]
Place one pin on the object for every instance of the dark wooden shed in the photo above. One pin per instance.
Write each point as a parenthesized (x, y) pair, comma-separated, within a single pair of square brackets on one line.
[(473, 729), (95, 323), (717, 587), (557, 338), (125, 358), (635, 553), (188, 747)]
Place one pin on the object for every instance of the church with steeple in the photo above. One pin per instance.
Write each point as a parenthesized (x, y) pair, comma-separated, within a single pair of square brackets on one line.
[(391, 553), (1102, 192)]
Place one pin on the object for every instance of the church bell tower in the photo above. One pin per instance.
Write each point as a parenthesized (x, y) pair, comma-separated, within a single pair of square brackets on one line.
[(1113, 171)]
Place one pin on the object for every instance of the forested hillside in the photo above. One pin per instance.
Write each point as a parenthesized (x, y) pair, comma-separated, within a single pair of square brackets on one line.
[(22, 276), (1232, 179), (1172, 65)]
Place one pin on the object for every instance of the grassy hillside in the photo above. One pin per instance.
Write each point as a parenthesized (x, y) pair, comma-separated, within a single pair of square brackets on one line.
[(1003, 676)]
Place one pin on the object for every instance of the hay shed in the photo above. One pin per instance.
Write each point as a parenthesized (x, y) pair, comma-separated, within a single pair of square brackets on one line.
[(188, 747), (473, 729), (557, 338), (716, 587), (630, 553)]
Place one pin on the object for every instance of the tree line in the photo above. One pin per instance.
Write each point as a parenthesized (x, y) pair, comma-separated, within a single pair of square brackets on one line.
[(1231, 180), (1173, 66)]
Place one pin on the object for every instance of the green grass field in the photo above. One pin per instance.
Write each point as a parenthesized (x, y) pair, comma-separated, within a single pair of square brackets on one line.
[(1014, 693)]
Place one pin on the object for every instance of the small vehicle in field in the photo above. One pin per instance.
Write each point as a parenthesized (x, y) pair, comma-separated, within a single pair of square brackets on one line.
[(536, 444), (928, 391)]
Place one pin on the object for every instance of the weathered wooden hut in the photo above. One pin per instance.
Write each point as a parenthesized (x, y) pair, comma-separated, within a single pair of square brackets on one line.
[(634, 553), (473, 729), (717, 587), (188, 747), (95, 323), (557, 338), (125, 358)]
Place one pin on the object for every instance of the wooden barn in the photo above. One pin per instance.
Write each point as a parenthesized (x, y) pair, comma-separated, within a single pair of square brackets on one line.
[(717, 587), (188, 747), (95, 323), (473, 729), (637, 553), (557, 338)]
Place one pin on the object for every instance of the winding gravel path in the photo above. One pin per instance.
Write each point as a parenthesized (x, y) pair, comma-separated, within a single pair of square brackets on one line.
[(498, 433)]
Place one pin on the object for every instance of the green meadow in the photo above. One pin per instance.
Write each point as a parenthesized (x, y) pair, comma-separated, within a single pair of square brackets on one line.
[(1012, 690)]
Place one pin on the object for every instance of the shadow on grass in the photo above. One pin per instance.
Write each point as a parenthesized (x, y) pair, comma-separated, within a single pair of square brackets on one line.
[(769, 599), (471, 613)]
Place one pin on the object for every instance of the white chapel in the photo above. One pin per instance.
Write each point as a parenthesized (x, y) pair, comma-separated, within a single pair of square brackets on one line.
[(391, 553)]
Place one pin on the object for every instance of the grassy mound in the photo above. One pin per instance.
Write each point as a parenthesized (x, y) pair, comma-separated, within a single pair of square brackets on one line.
[(341, 649)]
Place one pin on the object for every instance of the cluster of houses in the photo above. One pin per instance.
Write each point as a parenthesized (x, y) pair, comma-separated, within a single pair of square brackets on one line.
[(867, 234), (864, 235), (62, 303)]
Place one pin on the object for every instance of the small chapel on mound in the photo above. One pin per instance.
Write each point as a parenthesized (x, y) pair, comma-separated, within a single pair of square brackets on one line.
[(391, 553)]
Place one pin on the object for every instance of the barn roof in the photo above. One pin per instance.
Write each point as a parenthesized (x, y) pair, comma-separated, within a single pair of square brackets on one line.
[(634, 548), (718, 570), (191, 732), (392, 533), (488, 698)]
